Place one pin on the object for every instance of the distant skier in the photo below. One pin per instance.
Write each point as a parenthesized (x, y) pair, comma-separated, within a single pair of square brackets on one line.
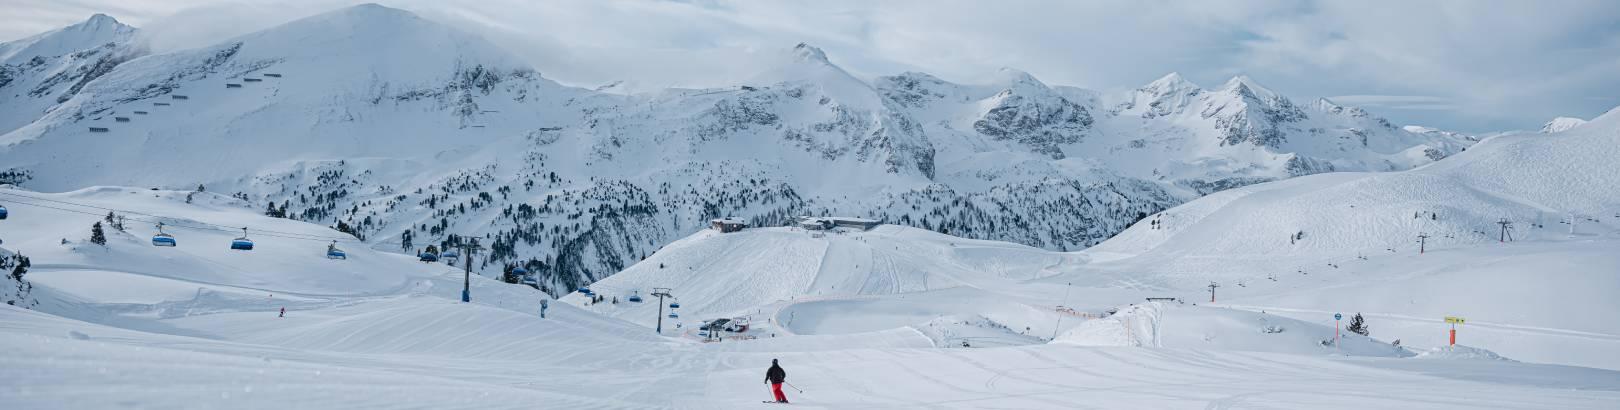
[(776, 376), (283, 312)]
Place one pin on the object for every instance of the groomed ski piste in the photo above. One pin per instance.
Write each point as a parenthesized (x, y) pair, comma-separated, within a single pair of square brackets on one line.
[(890, 317)]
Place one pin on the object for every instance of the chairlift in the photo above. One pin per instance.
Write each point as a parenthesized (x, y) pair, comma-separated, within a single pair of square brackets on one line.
[(584, 289), (520, 271), (634, 297), (242, 243), (332, 252), (163, 239), (672, 315), (427, 257), (674, 305)]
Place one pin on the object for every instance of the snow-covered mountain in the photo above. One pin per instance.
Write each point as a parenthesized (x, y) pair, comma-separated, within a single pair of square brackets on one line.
[(1302, 248), (1533, 181), (1414, 245), (407, 131), (39, 72)]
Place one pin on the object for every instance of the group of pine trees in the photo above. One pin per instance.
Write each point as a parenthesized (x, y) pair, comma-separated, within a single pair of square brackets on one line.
[(99, 236)]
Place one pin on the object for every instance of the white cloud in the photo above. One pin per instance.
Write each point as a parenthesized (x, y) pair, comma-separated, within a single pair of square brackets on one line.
[(1398, 102), (1487, 64)]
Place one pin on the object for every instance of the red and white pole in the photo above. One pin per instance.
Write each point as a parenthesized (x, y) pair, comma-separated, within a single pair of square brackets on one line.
[(1336, 322)]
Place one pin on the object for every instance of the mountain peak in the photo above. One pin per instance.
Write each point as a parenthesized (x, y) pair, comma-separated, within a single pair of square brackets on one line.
[(1011, 78), (99, 19), (802, 62), (371, 14), (1561, 124), (1015, 75), (805, 63), (1242, 84), (374, 8), (1328, 106), (809, 53), (1172, 83), (363, 41), (95, 31), (1174, 80), (100, 25), (368, 27)]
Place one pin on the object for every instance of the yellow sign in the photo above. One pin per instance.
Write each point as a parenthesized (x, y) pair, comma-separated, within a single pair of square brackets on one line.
[(1454, 320)]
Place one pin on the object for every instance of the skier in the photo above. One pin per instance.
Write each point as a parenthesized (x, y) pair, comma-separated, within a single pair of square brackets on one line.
[(776, 376), (283, 312)]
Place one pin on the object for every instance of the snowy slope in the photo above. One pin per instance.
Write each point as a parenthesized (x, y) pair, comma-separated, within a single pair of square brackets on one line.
[(1349, 242), (196, 326), (54, 231), (1192, 327), (764, 272), (119, 366)]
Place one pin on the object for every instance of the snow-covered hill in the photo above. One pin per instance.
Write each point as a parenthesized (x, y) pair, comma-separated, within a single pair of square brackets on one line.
[(412, 132), (1411, 247), (938, 321), (758, 271)]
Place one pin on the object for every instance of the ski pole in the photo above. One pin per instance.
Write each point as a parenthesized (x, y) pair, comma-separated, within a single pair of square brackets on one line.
[(794, 387)]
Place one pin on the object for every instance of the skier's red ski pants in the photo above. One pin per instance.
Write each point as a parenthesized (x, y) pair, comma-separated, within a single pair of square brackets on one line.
[(777, 389)]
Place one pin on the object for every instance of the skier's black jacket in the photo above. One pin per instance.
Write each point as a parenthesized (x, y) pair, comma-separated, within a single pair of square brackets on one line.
[(775, 375)]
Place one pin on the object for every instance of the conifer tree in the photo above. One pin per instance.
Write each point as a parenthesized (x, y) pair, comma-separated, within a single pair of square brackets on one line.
[(1358, 325), (97, 236)]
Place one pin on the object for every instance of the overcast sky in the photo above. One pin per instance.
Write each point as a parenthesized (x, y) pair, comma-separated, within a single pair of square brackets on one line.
[(1461, 65)]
